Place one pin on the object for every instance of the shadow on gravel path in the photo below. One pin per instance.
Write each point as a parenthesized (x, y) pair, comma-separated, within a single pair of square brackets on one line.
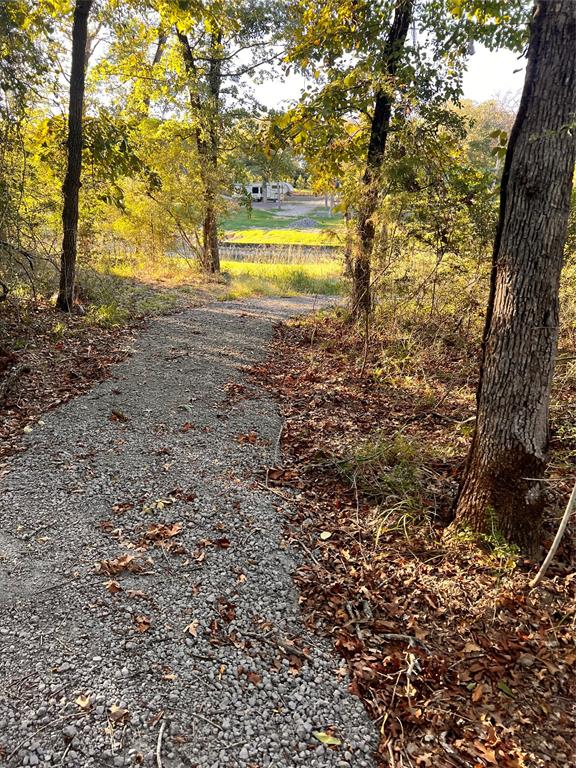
[(147, 611)]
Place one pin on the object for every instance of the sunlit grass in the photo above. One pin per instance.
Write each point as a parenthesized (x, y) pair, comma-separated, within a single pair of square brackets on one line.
[(118, 290), (255, 278), (286, 236)]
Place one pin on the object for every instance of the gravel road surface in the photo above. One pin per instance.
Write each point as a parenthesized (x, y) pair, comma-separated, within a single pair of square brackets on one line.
[(147, 610)]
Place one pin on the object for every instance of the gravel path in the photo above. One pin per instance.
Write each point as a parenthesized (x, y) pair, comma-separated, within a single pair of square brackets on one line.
[(183, 646)]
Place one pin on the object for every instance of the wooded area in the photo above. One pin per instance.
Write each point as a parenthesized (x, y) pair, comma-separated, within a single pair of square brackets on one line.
[(429, 406)]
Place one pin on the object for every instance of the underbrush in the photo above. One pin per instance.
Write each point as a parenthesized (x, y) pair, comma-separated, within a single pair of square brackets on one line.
[(455, 658)]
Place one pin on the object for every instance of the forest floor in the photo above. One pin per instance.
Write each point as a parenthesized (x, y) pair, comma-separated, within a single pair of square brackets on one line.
[(138, 539), (149, 615), (457, 660)]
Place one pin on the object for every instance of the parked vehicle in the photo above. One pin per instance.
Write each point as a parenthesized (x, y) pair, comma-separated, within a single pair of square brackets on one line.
[(277, 188)]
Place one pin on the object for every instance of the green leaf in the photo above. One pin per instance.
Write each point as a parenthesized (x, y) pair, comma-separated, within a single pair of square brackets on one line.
[(505, 689), (326, 738)]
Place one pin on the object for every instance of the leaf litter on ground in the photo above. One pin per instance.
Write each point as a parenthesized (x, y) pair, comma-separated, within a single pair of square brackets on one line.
[(457, 661)]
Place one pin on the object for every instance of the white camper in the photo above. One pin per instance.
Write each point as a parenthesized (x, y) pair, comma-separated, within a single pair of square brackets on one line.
[(273, 191)]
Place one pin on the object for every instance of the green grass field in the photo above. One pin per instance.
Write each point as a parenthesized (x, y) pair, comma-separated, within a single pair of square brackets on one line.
[(240, 220), (142, 285), (246, 278), (286, 236)]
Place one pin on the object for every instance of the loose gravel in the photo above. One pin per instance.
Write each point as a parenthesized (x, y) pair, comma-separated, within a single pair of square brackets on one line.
[(147, 611)]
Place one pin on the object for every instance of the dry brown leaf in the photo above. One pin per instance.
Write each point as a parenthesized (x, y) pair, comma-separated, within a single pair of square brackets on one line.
[(83, 702), (118, 714), (477, 693), (143, 623), (192, 628), (120, 564)]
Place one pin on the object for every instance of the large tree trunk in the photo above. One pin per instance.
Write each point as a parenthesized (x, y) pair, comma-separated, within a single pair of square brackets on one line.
[(501, 491), (71, 186), (370, 194)]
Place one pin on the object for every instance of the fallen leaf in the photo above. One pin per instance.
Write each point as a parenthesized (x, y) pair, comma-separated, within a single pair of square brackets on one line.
[(158, 531), (124, 563), (142, 623), (250, 437), (477, 693), (325, 535), (83, 702), (117, 415), (118, 714), (192, 628), (502, 686), (137, 593), (326, 738), (113, 587)]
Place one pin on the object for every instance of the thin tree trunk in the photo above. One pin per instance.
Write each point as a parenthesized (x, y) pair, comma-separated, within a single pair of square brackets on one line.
[(361, 295), (158, 53), (211, 253), (501, 491), (207, 144), (348, 263), (71, 186)]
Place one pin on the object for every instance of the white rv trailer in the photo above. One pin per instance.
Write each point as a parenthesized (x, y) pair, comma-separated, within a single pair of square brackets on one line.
[(282, 188)]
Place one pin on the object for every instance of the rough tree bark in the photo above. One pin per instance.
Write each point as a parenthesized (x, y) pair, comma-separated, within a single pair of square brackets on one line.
[(210, 240), (379, 129), (207, 143), (501, 490), (71, 186)]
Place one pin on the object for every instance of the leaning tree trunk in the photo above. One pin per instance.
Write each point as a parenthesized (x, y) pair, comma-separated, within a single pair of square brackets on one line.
[(361, 294), (71, 186), (502, 490)]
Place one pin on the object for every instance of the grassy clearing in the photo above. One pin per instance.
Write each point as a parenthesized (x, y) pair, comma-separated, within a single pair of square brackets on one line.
[(265, 219), (120, 291), (247, 278), (286, 236)]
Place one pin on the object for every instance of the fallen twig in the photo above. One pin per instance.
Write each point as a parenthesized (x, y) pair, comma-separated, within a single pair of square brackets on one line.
[(207, 720), (159, 744), (275, 491), (43, 728), (557, 539), (412, 641)]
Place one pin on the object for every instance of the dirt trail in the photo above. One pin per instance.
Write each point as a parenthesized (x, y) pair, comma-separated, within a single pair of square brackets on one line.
[(147, 611)]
